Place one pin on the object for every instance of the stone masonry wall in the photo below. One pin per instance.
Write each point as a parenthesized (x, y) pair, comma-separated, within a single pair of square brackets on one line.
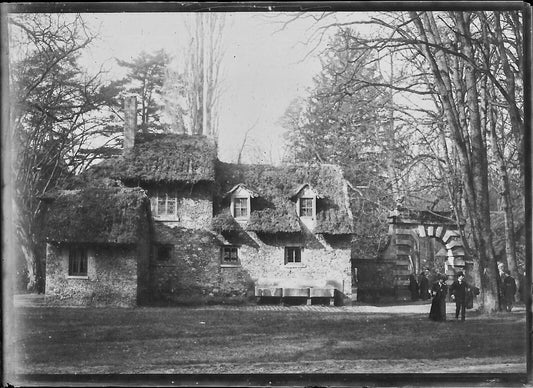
[(111, 278), (321, 266), (143, 264), (195, 208), (193, 270)]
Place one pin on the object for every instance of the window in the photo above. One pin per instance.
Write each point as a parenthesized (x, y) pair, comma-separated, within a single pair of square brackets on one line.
[(240, 207), (306, 207), (77, 262), (164, 203), (293, 255), (163, 252), (230, 255)]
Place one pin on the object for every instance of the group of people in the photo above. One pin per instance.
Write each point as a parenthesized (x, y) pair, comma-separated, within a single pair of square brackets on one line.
[(463, 294), (419, 288), (460, 292)]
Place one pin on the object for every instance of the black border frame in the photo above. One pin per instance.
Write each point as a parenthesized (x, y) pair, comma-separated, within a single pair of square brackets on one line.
[(422, 379)]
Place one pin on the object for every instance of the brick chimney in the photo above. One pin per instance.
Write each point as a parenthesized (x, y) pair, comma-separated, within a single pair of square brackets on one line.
[(130, 121)]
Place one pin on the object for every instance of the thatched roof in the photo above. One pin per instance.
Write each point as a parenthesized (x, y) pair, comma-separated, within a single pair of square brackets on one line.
[(168, 158), (97, 215), (274, 211), (224, 222), (164, 234), (279, 219), (156, 158)]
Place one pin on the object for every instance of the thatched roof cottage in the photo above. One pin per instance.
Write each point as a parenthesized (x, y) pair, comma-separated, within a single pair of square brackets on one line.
[(97, 247), (206, 229)]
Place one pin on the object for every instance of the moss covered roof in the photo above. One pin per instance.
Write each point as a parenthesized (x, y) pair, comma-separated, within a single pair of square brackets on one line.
[(281, 218), (224, 222), (96, 215), (274, 211), (157, 158), (168, 158)]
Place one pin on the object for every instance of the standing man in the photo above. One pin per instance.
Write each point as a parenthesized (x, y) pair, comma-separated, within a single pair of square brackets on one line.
[(458, 292), (508, 290), (423, 286), (501, 276), (413, 287)]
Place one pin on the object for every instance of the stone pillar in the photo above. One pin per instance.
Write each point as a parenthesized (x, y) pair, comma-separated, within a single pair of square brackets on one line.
[(130, 121)]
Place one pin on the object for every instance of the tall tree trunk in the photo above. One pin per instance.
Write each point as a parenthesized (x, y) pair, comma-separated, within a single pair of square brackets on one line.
[(470, 146), (480, 172), (33, 262), (505, 194)]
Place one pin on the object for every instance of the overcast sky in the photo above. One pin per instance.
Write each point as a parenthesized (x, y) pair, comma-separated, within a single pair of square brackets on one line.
[(263, 70)]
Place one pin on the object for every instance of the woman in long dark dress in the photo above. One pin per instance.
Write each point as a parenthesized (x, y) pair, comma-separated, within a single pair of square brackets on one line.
[(438, 304)]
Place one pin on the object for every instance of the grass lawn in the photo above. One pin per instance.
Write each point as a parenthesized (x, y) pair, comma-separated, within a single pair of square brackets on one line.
[(241, 340)]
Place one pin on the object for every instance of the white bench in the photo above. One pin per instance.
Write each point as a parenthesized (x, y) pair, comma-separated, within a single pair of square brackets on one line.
[(297, 292)]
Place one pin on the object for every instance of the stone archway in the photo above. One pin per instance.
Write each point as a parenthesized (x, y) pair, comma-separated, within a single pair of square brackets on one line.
[(406, 229)]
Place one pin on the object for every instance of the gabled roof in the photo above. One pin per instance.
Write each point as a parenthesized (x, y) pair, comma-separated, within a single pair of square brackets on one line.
[(96, 215), (250, 192), (299, 189), (273, 211)]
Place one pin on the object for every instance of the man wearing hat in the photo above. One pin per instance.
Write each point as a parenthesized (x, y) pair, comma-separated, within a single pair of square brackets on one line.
[(508, 286), (458, 291)]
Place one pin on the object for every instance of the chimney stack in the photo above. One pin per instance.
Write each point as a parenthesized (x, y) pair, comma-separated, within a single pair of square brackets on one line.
[(130, 121)]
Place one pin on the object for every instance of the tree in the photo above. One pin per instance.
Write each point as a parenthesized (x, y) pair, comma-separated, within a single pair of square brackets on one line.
[(53, 118), (470, 65), (202, 73), (145, 78), (347, 121)]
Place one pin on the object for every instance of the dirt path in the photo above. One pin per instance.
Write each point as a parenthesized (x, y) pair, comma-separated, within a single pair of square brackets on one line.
[(38, 300)]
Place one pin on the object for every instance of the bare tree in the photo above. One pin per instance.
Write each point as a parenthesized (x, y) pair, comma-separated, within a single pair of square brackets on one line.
[(202, 75), (458, 59), (245, 140), (53, 119)]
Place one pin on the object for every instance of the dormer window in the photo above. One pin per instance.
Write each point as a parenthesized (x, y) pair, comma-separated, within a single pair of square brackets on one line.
[(306, 202), (241, 202), (240, 207), (306, 207)]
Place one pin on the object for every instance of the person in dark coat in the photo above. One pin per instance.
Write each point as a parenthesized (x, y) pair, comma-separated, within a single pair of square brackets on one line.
[(458, 292), (413, 287), (423, 286), (501, 275), (508, 291), (438, 304), (524, 289)]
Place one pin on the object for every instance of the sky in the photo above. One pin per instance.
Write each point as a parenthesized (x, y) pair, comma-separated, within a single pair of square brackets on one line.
[(263, 69)]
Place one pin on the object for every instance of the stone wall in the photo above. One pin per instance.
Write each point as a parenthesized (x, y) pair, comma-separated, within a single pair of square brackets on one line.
[(111, 277), (143, 264), (323, 264), (195, 208), (193, 271)]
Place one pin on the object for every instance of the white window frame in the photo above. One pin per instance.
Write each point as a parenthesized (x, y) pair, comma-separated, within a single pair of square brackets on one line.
[(313, 207), (294, 249), (158, 195), (306, 193), (234, 201), (242, 194)]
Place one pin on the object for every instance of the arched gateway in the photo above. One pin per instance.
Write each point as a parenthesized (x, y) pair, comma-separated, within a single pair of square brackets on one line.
[(415, 238)]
